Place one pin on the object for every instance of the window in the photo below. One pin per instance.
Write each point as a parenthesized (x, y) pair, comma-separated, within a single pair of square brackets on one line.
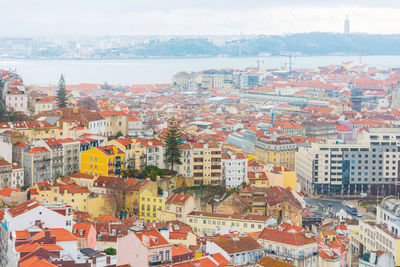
[(167, 255)]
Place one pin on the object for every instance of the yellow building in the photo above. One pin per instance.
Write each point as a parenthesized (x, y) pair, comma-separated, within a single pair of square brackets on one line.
[(133, 197), (208, 223), (186, 239), (279, 152), (103, 161), (140, 153), (83, 179), (128, 146), (66, 190), (98, 206), (183, 79), (71, 194), (33, 129), (283, 177), (149, 205)]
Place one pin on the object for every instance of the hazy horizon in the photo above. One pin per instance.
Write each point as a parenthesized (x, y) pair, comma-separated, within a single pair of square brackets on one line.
[(177, 17)]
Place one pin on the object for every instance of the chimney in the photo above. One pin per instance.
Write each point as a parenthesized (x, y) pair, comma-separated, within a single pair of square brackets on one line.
[(146, 240), (47, 232), (114, 150)]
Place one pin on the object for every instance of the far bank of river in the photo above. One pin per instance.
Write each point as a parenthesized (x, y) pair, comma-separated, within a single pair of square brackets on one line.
[(160, 70)]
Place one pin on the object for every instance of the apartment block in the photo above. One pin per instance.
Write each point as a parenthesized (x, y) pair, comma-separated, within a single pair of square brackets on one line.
[(37, 165), (104, 160), (202, 162), (234, 169), (208, 223), (279, 151), (374, 237), (371, 165)]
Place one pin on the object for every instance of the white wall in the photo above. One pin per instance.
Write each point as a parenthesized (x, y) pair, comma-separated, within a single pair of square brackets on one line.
[(6, 151), (97, 127), (50, 218)]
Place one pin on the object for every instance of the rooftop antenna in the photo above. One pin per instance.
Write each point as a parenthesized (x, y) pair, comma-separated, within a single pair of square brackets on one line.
[(361, 70), (290, 65), (258, 64), (272, 119)]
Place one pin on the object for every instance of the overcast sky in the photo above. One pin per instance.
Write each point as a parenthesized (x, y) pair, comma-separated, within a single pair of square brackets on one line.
[(182, 17)]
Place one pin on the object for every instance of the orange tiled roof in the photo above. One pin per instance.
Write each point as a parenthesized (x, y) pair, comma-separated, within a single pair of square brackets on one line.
[(24, 207), (36, 262), (294, 239)]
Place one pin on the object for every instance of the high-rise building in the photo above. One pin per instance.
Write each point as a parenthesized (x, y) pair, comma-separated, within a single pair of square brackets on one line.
[(347, 25)]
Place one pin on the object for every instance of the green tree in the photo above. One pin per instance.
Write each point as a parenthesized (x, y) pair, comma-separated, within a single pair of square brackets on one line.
[(118, 135), (172, 144), (110, 251), (62, 93), (160, 191)]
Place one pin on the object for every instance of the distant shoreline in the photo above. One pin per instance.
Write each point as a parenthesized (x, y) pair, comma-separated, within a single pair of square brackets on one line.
[(160, 70), (191, 57)]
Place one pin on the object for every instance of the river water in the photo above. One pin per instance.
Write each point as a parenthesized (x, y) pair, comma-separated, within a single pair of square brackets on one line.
[(141, 71)]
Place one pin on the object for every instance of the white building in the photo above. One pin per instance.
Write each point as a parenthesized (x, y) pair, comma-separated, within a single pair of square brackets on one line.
[(332, 168), (30, 214), (5, 147), (11, 175), (239, 251), (95, 122), (71, 156), (44, 104), (373, 237), (154, 153), (16, 100), (25, 215), (234, 169), (293, 248)]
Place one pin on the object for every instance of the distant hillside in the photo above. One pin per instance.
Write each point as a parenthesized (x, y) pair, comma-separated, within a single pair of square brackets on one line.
[(317, 43)]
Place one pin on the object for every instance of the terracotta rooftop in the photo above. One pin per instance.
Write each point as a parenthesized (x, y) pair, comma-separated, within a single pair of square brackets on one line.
[(24, 207), (238, 245), (294, 239)]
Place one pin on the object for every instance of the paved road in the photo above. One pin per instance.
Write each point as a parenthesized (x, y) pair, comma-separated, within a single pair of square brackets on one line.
[(336, 205)]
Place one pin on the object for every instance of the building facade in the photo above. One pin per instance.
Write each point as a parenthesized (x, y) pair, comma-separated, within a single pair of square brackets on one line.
[(371, 165), (103, 161), (292, 248), (202, 163), (234, 169)]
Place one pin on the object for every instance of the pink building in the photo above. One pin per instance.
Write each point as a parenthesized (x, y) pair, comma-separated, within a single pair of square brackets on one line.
[(16, 100), (86, 234), (144, 248)]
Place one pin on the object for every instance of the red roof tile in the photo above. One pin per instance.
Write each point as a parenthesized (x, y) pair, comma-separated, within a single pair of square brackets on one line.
[(294, 239)]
